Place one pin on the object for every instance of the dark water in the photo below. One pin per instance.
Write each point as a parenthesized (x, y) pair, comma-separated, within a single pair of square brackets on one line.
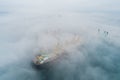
[(97, 22)]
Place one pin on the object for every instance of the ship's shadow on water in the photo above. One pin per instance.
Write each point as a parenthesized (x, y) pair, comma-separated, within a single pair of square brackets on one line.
[(50, 69)]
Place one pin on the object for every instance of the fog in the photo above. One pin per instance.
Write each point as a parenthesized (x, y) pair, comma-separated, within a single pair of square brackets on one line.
[(23, 28)]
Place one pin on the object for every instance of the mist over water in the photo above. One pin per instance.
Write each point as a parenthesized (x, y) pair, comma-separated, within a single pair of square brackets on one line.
[(23, 28)]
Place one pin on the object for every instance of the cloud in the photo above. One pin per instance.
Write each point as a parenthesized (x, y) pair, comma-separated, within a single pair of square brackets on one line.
[(23, 31)]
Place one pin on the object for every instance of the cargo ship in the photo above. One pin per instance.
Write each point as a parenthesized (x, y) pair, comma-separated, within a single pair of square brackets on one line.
[(43, 59)]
